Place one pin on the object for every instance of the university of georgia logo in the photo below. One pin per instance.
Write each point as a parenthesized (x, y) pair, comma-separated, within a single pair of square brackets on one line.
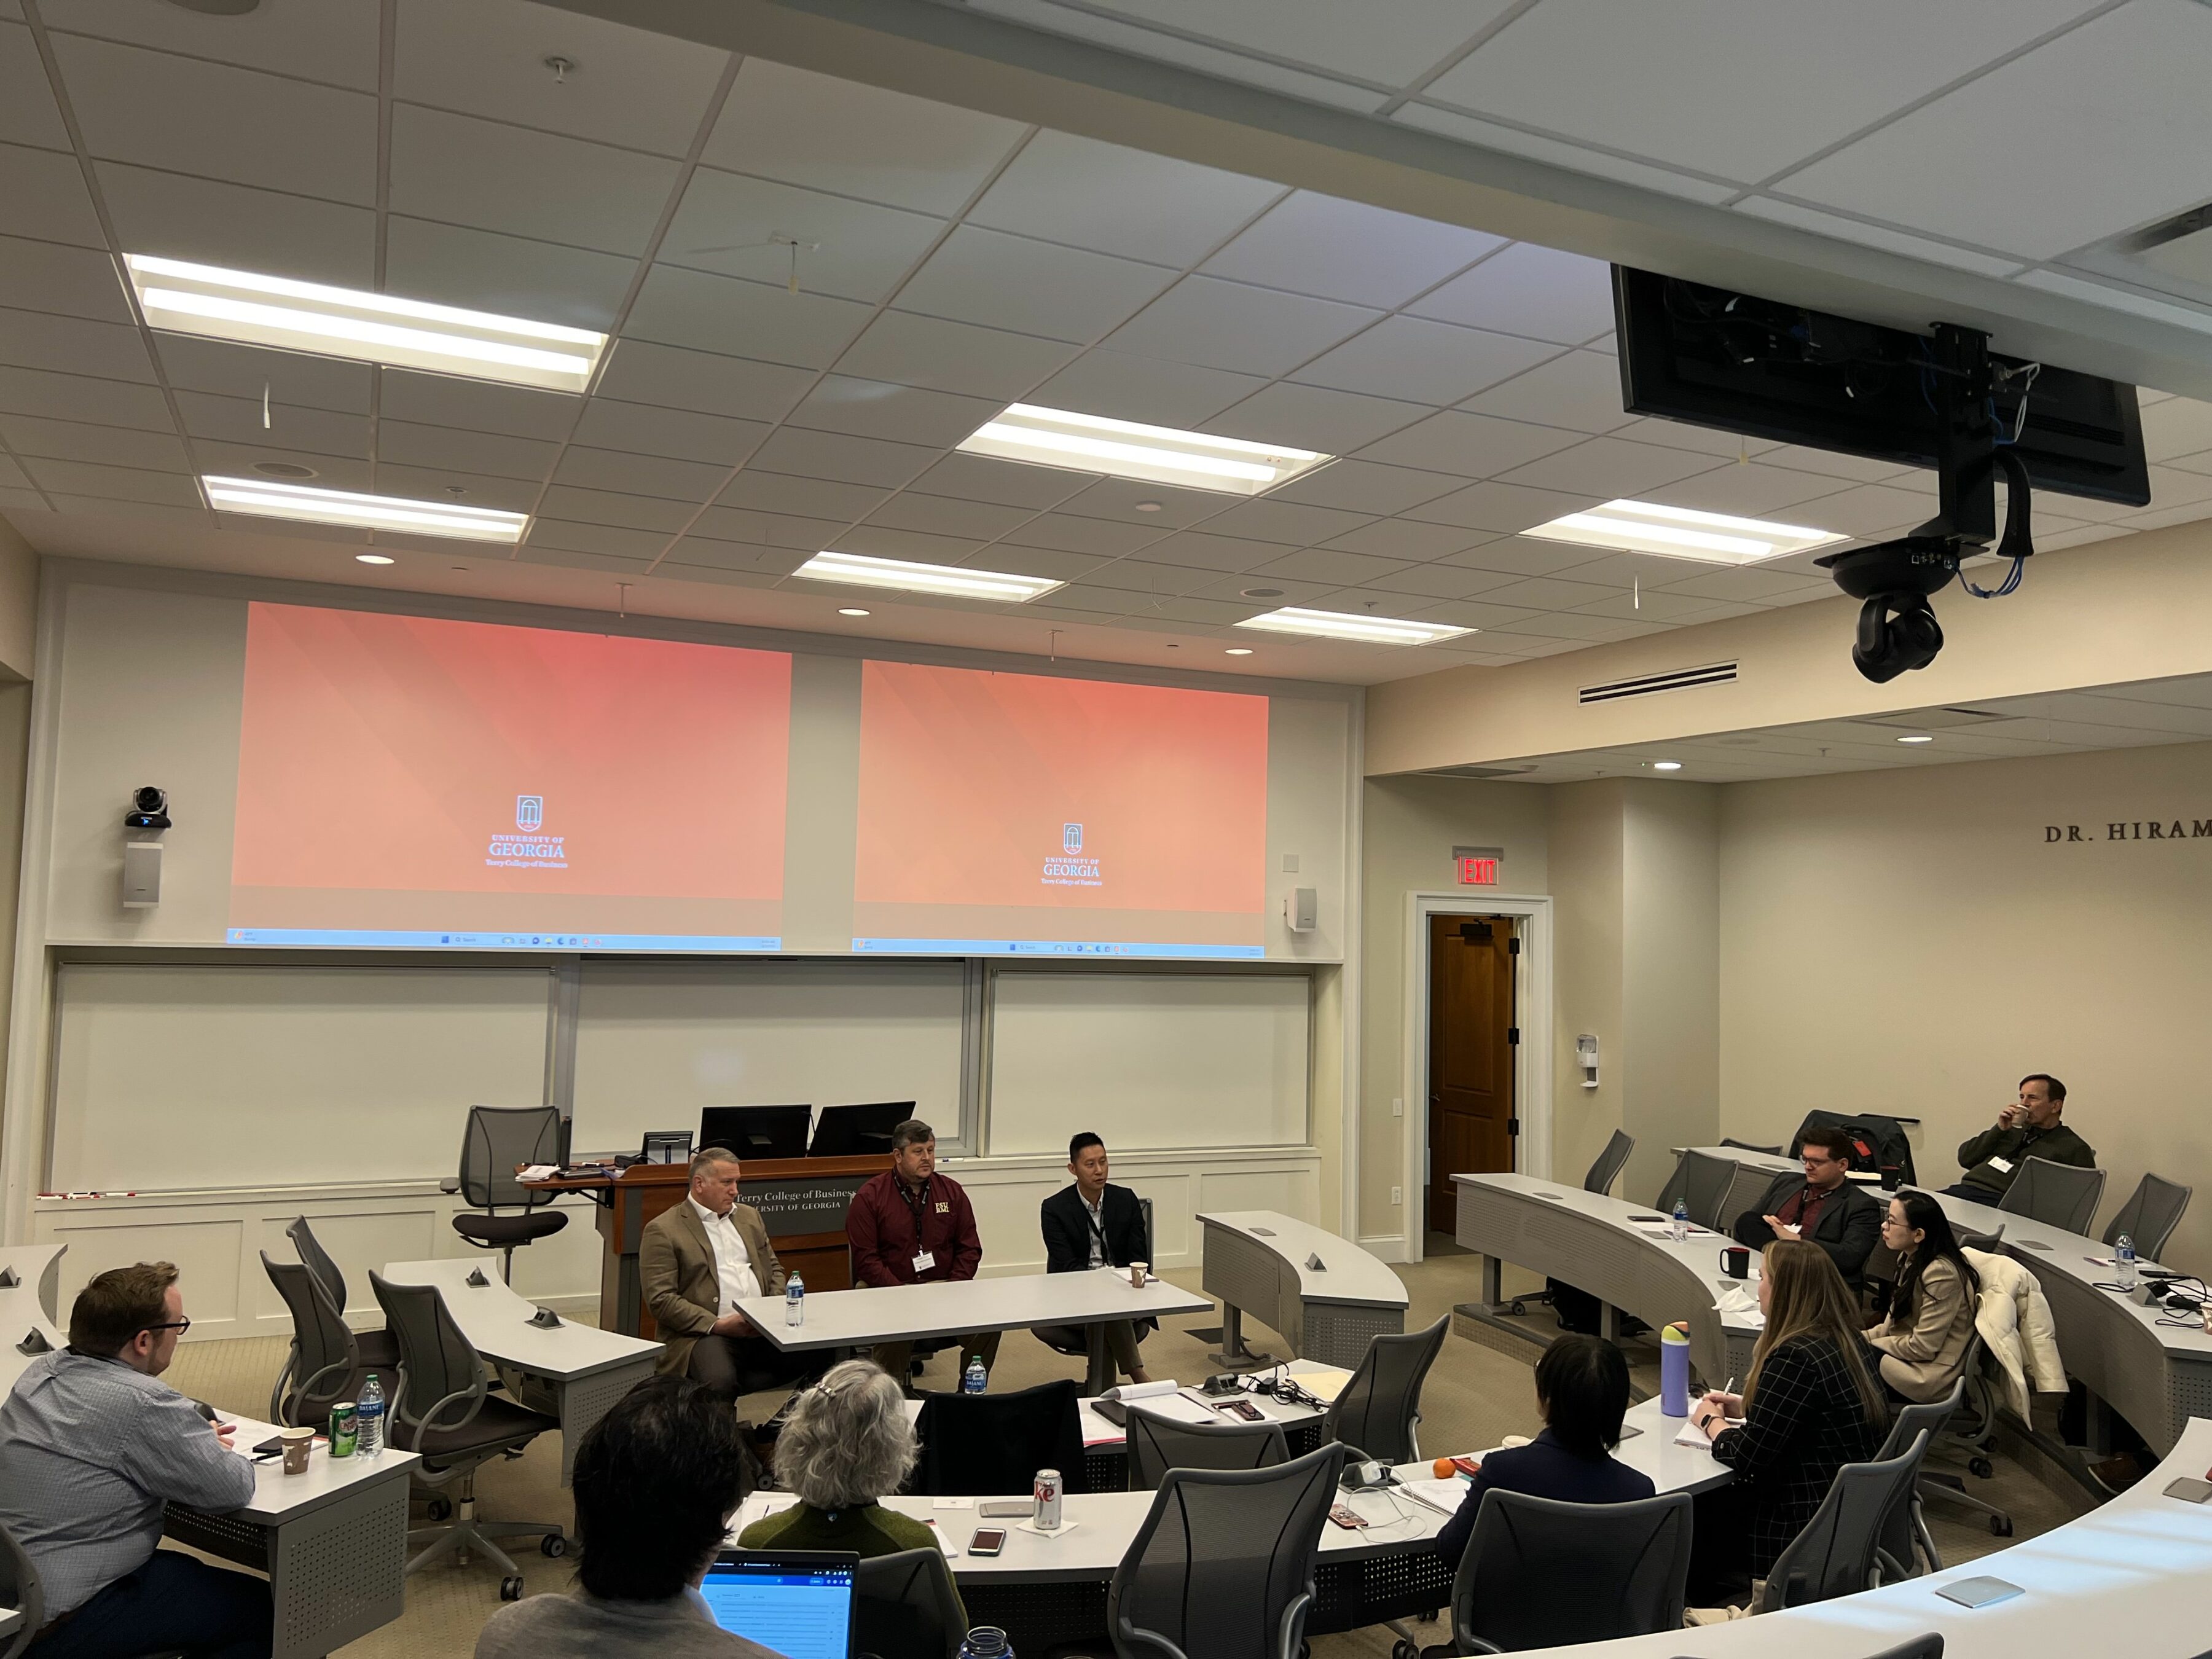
[(529, 811), (1071, 838), (527, 849), (1072, 869)]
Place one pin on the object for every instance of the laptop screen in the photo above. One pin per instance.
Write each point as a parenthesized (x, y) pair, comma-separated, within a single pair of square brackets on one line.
[(796, 1603)]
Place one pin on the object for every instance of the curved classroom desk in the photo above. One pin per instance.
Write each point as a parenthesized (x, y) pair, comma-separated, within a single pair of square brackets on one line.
[(1264, 1264), (28, 1305)]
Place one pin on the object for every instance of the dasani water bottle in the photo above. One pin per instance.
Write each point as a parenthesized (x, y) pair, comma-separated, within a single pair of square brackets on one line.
[(2123, 1256), (975, 1379), (370, 1416), (1681, 1228), (795, 1300)]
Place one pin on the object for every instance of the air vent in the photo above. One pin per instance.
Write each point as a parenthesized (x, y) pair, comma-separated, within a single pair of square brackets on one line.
[(1650, 686), (1475, 771), (1934, 720)]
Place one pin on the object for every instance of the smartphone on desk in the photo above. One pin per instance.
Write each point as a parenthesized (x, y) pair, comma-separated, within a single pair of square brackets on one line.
[(1243, 1408), (986, 1541), (1346, 1516)]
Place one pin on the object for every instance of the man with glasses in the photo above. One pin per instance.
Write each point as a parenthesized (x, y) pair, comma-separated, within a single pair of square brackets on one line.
[(1821, 1205), (91, 1443)]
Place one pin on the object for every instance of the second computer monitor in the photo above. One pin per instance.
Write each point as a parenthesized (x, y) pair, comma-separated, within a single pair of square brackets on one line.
[(853, 1131), (756, 1131)]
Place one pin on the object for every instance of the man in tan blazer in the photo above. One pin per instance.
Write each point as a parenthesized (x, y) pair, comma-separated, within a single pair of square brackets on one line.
[(696, 1261)]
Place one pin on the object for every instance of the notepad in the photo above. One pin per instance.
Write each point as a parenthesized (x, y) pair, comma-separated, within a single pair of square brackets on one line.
[(1323, 1386), (1689, 1434), (1979, 1592)]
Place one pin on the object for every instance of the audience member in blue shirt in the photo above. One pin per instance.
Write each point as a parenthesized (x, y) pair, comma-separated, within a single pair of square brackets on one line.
[(1581, 1392)]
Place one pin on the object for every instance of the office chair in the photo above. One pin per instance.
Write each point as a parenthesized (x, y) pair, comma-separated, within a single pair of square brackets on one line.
[(20, 1589), (2153, 1210), (990, 1445), (1542, 1573), (907, 1607), (1839, 1551), (1156, 1444), (1074, 1341), (1976, 1396), (326, 1364), (380, 1350), (498, 1139), (1907, 1531), (1701, 1182), (1751, 1146), (444, 1411), (2062, 1196), (1601, 1175), (1378, 1410), (1193, 1585)]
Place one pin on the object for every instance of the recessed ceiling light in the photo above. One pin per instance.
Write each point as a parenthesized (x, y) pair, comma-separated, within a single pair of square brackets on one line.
[(956, 581), (1148, 507), (850, 611), (1666, 766), (1125, 449), (263, 498), (1238, 651), (1261, 593), (1922, 739), (181, 298), (1336, 625), (373, 558), (1681, 532), (283, 470)]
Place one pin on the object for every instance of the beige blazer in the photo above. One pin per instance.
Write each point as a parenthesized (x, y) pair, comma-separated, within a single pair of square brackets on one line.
[(677, 1278), (1921, 1359)]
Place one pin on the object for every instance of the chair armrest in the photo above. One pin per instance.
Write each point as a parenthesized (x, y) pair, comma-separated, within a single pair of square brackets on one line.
[(1130, 1632), (449, 1183)]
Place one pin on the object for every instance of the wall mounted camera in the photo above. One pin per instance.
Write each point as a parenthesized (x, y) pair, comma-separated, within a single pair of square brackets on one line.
[(142, 858), (150, 809)]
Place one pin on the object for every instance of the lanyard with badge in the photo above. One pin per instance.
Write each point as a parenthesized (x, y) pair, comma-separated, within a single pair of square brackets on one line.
[(918, 1203), (1090, 1221)]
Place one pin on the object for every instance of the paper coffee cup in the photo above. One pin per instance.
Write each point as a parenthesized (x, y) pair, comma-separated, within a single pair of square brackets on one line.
[(1137, 1273), (298, 1443)]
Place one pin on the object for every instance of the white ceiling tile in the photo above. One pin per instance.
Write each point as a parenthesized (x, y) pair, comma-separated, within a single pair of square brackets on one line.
[(1834, 464), (487, 57), (2081, 538), (1069, 533), (837, 135), (679, 434), (1549, 593), (219, 458), (1441, 581), (1368, 487), (75, 440), (80, 398), (1327, 564), (539, 185), (1010, 484), (2176, 425), (581, 506), (184, 115), (1166, 508), (1033, 288), (878, 409), (1127, 387), (1147, 579), (510, 276), (80, 282), (552, 551), (124, 484), (764, 564), (1680, 434), (1471, 445), (1530, 290), (641, 475), (1625, 571), (1434, 363), (694, 309), (1742, 586), (114, 507), (27, 114), (493, 454), (1222, 325), (836, 456), (1557, 152), (237, 421), (1404, 538), (2170, 486), (608, 540), (35, 339), (1113, 200), (1313, 417), (744, 227), (1289, 523), (1505, 508), (330, 40), (1580, 390), (1201, 550), (785, 494), (775, 530), (1589, 629), (1389, 41), (941, 515), (238, 371), (1612, 467), (478, 405), (1479, 614), (1868, 509), (46, 199), (948, 356), (2088, 165), (1880, 236), (2161, 517), (1348, 250), (1104, 601), (879, 541), (244, 229), (1050, 563)]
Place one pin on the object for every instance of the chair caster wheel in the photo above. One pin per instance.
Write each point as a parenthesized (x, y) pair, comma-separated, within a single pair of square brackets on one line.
[(1404, 1650), (1999, 1527), (510, 1588), (1519, 1311), (439, 1509), (1983, 1467), (553, 1545)]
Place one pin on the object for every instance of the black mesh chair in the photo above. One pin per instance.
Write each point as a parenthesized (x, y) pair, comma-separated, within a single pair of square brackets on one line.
[(1378, 1410), (1701, 1182), (1906, 1531), (1156, 1444), (20, 1589), (380, 1350), (498, 1139), (1541, 1573), (326, 1364), (991, 1445), (444, 1411), (2062, 1195), (1967, 1432), (1839, 1551), (1607, 1169), (2153, 1210), (1222, 1565), (1750, 1146), (907, 1607)]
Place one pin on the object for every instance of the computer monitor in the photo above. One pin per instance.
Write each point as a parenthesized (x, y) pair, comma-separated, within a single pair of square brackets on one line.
[(851, 1131), (666, 1146), (756, 1131), (798, 1604)]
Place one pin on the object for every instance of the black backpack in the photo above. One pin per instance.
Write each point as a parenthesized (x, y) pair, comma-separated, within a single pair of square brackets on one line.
[(1878, 1143)]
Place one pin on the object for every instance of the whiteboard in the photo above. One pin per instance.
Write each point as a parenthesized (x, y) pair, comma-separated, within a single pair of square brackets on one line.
[(170, 1076), (655, 1042), (1148, 1060)]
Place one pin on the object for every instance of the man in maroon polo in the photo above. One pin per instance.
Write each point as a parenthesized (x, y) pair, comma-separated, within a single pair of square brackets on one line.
[(911, 1225)]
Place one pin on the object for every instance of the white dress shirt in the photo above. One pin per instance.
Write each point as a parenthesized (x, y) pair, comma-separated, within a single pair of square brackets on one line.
[(734, 1263), (1098, 1226)]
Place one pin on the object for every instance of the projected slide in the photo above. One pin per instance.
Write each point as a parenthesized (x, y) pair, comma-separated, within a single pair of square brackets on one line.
[(1013, 814), (404, 781)]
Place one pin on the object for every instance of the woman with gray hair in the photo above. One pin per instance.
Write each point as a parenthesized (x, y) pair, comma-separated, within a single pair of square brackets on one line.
[(848, 1442)]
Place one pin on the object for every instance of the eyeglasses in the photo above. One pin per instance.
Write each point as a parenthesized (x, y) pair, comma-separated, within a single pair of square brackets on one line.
[(180, 1325)]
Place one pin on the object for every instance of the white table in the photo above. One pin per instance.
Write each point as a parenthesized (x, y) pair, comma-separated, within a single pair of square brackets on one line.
[(28, 1305), (1262, 1263), (578, 1371), (333, 1541), (862, 1318), (11, 1619)]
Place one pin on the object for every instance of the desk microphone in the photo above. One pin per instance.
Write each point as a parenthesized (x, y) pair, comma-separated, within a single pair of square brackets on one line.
[(545, 1319), (476, 1280)]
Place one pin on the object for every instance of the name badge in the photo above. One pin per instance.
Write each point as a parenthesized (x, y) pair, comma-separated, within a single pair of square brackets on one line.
[(2001, 1165), (944, 1209), (923, 1262)]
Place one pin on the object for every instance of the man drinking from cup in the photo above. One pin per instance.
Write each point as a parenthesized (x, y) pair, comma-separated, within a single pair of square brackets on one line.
[(1095, 1223)]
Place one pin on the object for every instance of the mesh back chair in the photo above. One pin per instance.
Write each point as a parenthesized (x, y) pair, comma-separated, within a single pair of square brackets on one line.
[(2061, 1195), (1378, 1410), (380, 1350), (1839, 1551), (991, 1445), (1907, 1529), (497, 1141), (2153, 1210), (1542, 1573), (1747, 1193), (18, 1588), (1156, 1444), (1967, 1432), (1222, 1565), (1075, 1339), (1750, 1146), (907, 1607), (444, 1410), (1607, 1169), (1701, 1182), (326, 1364)]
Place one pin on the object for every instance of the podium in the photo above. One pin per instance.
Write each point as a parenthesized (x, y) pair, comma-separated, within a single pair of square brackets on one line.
[(802, 1203)]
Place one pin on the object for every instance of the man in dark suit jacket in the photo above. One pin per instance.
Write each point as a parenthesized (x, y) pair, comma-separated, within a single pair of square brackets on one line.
[(1094, 1224), (1822, 1204)]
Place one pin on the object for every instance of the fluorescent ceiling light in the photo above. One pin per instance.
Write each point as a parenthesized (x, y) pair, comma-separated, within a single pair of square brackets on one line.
[(1681, 532), (850, 611), (1666, 766), (1125, 449), (1336, 625), (955, 581), (1238, 651), (1920, 739), (181, 298), (264, 498), (375, 558)]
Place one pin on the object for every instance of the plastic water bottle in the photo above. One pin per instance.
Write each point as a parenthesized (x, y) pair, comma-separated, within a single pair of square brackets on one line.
[(1681, 1224), (795, 1300), (975, 1380), (986, 1642), (2123, 1254), (370, 1416)]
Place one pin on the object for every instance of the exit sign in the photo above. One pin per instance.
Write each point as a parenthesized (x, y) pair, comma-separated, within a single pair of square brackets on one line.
[(1477, 867)]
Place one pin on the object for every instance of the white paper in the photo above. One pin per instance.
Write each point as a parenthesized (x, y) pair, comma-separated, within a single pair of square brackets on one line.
[(1691, 1435), (953, 1504), (1446, 1495), (1158, 1385), (537, 1172)]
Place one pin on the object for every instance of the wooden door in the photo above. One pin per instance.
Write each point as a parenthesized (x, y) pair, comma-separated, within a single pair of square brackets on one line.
[(1472, 1037)]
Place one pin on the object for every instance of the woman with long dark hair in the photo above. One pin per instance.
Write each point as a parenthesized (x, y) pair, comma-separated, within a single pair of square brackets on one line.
[(1931, 1313)]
